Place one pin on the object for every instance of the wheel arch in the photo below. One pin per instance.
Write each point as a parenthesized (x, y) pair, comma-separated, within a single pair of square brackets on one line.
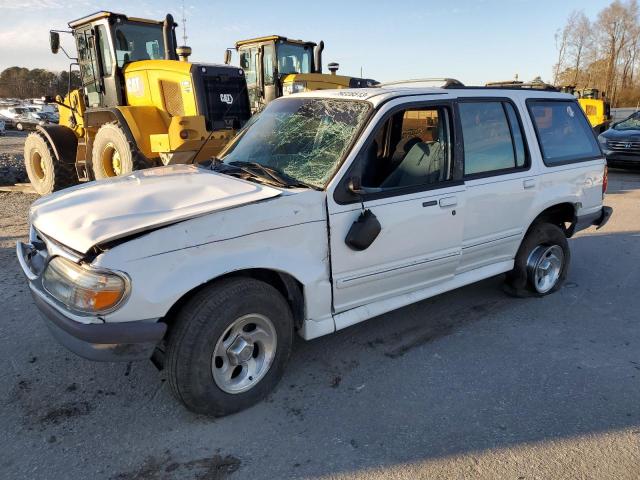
[(562, 214), (62, 140), (291, 289)]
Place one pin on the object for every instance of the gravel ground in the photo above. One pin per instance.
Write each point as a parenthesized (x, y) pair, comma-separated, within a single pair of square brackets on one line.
[(11, 158), (471, 384)]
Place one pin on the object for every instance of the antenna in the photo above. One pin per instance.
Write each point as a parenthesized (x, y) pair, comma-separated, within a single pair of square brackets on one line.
[(184, 25)]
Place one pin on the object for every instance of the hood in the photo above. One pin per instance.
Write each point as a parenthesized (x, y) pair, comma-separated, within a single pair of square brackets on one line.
[(97, 212), (632, 135)]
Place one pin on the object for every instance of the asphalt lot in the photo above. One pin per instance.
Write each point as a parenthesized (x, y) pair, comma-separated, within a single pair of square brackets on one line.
[(471, 384)]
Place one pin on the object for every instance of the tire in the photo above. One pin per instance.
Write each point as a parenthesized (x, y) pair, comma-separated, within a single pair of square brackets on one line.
[(195, 361), (46, 173), (545, 245), (113, 155)]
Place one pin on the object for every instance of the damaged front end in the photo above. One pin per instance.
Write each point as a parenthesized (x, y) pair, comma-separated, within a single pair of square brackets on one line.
[(73, 298)]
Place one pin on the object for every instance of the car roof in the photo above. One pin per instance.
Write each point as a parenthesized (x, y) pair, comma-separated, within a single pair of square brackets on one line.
[(384, 93)]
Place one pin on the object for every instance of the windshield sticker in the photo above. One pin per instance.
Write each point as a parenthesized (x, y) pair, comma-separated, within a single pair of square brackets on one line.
[(570, 111)]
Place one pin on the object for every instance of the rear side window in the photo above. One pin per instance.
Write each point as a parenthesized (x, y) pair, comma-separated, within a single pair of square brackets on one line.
[(492, 136), (564, 134)]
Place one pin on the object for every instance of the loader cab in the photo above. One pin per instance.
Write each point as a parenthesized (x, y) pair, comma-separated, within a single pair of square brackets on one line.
[(267, 60), (106, 42)]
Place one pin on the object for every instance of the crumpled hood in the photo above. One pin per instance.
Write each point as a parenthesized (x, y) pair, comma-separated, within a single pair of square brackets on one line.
[(97, 212)]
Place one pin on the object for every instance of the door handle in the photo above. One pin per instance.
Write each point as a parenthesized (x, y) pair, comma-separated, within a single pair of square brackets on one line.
[(529, 183), (448, 202)]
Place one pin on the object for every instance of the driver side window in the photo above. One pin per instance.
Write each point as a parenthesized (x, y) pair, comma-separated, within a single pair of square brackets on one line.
[(411, 148)]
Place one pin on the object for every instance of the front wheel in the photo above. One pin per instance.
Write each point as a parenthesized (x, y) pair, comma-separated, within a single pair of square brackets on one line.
[(542, 262), (46, 173), (112, 154), (229, 346)]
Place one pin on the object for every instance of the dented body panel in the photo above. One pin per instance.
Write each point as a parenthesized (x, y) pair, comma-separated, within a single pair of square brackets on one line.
[(143, 200)]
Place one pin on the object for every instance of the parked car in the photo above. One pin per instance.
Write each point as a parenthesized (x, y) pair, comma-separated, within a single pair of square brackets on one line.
[(2, 126), (28, 121), (8, 122), (621, 143), (330, 207)]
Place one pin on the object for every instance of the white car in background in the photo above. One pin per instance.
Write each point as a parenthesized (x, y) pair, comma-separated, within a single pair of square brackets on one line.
[(329, 208)]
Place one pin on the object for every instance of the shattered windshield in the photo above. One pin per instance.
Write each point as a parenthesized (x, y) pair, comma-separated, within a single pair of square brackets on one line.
[(303, 138), (631, 123)]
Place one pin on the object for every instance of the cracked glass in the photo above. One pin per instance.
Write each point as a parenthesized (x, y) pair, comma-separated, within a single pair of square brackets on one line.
[(304, 138)]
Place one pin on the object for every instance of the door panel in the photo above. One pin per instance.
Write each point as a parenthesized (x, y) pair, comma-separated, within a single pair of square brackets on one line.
[(418, 246)]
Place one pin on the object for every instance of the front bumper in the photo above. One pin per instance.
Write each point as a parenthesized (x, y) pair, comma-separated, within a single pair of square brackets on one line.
[(621, 159), (106, 342)]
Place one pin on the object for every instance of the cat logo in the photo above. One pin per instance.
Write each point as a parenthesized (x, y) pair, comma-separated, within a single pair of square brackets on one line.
[(226, 98)]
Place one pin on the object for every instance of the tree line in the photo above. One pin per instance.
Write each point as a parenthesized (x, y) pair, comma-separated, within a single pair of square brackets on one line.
[(18, 82), (602, 52)]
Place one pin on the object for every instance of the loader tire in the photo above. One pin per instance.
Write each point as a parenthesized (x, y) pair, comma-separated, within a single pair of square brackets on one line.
[(114, 155), (46, 173)]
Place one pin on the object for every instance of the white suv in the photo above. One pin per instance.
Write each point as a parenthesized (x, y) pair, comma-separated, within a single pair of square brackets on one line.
[(329, 208)]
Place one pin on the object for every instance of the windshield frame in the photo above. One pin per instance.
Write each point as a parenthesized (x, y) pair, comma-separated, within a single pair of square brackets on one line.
[(368, 115)]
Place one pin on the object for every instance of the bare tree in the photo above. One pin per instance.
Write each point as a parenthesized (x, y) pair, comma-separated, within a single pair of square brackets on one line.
[(579, 40), (616, 24), (562, 37)]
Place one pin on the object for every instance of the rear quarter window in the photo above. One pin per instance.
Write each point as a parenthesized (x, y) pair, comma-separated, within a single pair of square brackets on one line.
[(563, 132)]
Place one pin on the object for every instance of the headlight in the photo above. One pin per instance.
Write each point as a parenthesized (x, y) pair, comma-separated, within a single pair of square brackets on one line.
[(603, 142), (293, 87), (82, 289)]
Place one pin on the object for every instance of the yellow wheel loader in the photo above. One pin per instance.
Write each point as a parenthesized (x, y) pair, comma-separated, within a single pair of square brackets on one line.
[(139, 105), (275, 66), (591, 101), (594, 104)]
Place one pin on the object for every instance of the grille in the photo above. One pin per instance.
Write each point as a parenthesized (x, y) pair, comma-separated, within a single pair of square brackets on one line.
[(172, 98), (226, 101), (622, 146)]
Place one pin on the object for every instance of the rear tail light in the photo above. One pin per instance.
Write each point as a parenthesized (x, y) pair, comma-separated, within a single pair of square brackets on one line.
[(605, 180)]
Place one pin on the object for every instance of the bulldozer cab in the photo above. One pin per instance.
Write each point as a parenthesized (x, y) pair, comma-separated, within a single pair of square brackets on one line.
[(267, 60), (106, 42)]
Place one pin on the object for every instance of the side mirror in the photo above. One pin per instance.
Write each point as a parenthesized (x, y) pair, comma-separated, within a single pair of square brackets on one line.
[(355, 185), (227, 56), (54, 41)]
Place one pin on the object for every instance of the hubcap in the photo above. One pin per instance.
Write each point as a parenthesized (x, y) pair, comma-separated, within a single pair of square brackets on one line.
[(111, 160), (38, 165), (244, 353), (545, 266)]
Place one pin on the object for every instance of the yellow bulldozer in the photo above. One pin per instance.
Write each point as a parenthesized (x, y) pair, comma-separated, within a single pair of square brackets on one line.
[(140, 105), (275, 66)]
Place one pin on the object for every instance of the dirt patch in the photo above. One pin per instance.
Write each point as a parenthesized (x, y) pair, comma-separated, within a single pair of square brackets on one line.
[(216, 467)]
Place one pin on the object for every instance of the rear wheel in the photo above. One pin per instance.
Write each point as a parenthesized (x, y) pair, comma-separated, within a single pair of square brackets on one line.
[(229, 346), (542, 262), (46, 173), (113, 155)]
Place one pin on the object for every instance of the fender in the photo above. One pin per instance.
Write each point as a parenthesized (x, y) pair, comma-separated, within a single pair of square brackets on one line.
[(63, 141)]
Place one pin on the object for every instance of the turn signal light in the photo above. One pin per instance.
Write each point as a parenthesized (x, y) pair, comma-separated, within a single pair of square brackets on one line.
[(605, 180), (184, 134)]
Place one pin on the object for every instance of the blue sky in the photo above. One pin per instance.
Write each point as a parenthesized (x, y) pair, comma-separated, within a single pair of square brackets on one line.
[(473, 41)]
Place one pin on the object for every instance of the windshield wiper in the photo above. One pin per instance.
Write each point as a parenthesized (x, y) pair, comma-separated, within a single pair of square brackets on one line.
[(271, 174)]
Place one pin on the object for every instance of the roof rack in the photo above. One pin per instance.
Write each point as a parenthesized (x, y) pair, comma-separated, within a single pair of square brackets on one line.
[(515, 84), (444, 82)]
